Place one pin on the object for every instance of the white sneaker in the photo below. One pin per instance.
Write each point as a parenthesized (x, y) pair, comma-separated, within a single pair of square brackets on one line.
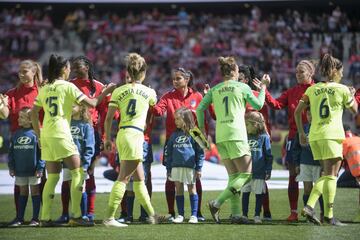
[(257, 220), (111, 222), (193, 219), (178, 219)]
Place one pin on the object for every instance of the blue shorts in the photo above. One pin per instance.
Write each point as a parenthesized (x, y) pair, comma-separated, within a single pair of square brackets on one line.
[(147, 158), (97, 146), (289, 151)]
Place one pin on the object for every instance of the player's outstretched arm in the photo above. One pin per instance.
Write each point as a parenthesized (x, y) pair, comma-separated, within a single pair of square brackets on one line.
[(4, 109), (93, 102), (298, 119), (107, 127)]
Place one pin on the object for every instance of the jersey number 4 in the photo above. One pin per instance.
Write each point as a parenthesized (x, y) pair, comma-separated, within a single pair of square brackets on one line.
[(131, 108), (53, 106)]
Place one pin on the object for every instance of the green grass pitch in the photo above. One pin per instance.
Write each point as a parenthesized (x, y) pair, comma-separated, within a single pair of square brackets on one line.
[(346, 207)]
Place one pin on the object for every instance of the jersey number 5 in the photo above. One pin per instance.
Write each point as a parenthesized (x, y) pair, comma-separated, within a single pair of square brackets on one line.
[(53, 106), (131, 108), (324, 109)]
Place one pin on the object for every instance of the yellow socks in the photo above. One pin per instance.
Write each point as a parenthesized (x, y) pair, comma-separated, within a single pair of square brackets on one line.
[(316, 192), (233, 187), (48, 195), (116, 195), (329, 195), (143, 197), (76, 191)]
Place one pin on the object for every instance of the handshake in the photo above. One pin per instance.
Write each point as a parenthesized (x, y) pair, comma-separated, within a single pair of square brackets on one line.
[(199, 137)]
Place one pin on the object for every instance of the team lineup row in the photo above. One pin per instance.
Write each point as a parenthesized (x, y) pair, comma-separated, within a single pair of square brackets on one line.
[(248, 166)]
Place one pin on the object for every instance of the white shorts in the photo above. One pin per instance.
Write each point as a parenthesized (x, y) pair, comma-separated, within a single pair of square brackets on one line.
[(256, 186), (67, 175), (24, 181), (183, 175), (308, 173)]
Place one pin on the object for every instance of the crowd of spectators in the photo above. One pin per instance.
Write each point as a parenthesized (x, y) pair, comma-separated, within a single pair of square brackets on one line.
[(271, 42)]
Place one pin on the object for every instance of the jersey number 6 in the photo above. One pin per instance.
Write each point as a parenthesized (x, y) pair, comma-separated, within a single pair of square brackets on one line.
[(324, 109)]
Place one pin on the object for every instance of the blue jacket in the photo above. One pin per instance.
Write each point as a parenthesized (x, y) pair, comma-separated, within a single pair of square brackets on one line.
[(300, 154), (261, 155), (83, 136), (183, 151), (24, 153)]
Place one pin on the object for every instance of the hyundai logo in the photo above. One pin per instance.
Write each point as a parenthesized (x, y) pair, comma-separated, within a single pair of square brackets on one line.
[(253, 143), (181, 139), (74, 130), (23, 140)]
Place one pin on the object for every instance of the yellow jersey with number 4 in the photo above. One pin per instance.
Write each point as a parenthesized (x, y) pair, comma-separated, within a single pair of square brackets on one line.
[(327, 102), (57, 100), (133, 101)]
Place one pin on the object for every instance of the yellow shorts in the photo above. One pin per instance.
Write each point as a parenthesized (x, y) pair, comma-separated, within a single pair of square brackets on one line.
[(233, 149), (56, 149), (129, 143), (326, 149)]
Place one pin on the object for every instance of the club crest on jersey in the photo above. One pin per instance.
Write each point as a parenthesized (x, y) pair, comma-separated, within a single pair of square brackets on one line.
[(193, 103), (23, 140), (74, 130), (181, 139)]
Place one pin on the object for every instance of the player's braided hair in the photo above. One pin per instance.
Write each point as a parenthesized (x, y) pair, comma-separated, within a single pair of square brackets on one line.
[(135, 66), (227, 66), (249, 75), (91, 72), (56, 64), (329, 64)]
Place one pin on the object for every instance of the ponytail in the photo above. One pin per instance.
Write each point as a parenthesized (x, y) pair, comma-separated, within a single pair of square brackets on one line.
[(56, 64), (135, 66), (36, 68), (227, 66), (328, 65)]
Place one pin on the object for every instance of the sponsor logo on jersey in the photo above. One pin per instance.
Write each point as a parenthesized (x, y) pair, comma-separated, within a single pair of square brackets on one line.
[(253, 143), (181, 139), (181, 142), (193, 103), (23, 140), (74, 130)]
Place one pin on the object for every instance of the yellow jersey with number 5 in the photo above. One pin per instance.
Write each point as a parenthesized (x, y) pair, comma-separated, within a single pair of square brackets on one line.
[(327, 102), (57, 100), (133, 101)]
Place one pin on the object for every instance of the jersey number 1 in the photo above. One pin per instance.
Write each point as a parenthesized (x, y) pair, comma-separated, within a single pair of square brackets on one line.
[(131, 108), (51, 102), (226, 102)]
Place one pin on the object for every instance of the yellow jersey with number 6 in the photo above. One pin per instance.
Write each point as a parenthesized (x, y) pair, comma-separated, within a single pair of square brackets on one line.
[(57, 100), (133, 101), (327, 102)]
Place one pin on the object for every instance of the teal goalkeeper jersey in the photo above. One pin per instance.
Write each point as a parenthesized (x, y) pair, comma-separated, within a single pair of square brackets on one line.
[(133, 101), (57, 100), (229, 99)]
